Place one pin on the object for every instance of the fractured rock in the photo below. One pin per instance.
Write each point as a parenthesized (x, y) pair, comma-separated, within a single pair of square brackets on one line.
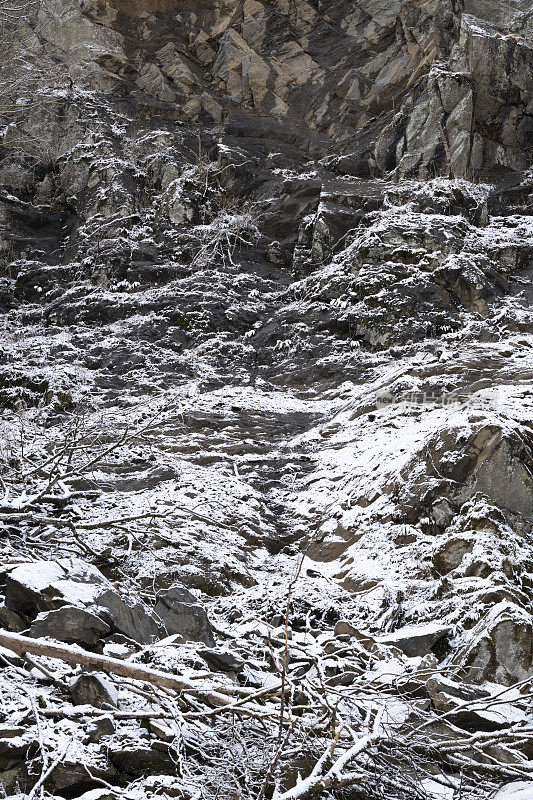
[(99, 727), (163, 731), (70, 774), (15, 779), (11, 621), (180, 612), (449, 696), (222, 660), (14, 747), (44, 586), (415, 640), (345, 628), (93, 689), (133, 620), (501, 646), (30, 587), (449, 553), (70, 624), (138, 759)]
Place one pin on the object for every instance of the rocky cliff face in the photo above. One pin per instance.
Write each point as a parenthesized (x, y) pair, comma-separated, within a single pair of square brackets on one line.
[(266, 389)]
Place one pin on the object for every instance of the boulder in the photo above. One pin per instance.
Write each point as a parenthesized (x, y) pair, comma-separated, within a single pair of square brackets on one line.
[(93, 689), (115, 649), (415, 640), (180, 612), (500, 648), (346, 678), (449, 697), (14, 746), (449, 553), (44, 586), (70, 776), (101, 726), (131, 619), (11, 621), (15, 780), (345, 628), (139, 758), (222, 660), (32, 588), (11, 731), (164, 731), (70, 624), (98, 794), (169, 786)]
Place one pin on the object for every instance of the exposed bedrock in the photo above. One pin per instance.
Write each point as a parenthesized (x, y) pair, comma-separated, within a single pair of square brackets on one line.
[(265, 309)]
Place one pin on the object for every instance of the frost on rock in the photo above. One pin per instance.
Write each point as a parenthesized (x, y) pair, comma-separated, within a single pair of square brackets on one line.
[(266, 392)]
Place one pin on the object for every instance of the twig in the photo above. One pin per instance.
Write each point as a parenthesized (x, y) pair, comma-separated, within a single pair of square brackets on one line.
[(46, 774)]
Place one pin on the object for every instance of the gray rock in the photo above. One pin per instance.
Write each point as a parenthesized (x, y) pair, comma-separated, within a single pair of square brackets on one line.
[(415, 640), (449, 697), (16, 780), (115, 649), (180, 612), (345, 628), (99, 727), (43, 585), (346, 678), (500, 647), (447, 694), (11, 621), (140, 758), (97, 794), (222, 660), (94, 689), (131, 619), (70, 624), (449, 553), (30, 587), (50, 585), (163, 731), (10, 731), (71, 776), (320, 109), (14, 748)]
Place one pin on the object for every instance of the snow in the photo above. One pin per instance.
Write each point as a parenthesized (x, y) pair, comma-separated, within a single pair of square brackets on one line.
[(38, 576), (435, 790), (518, 790)]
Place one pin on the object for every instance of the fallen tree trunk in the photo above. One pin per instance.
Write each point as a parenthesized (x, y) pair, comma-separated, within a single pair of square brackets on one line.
[(75, 655)]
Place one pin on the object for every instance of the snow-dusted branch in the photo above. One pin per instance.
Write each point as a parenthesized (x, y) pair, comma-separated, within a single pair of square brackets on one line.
[(327, 775)]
